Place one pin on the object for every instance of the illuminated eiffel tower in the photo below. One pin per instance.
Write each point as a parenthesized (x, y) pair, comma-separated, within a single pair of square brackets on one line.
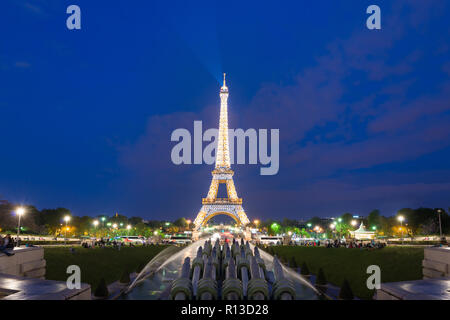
[(232, 205)]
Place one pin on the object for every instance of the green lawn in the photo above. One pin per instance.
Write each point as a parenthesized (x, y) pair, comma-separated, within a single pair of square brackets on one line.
[(396, 264), (96, 263)]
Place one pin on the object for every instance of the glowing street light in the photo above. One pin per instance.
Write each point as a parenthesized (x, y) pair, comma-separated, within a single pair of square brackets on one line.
[(256, 222), (66, 219), (19, 211), (340, 219), (401, 219), (332, 226), (95, 223), (353, 222), (290, 233), (128, 228), (188, 223), (114, 225)]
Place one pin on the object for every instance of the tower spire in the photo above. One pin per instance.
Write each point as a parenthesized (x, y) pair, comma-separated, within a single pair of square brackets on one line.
[(224, 87), (223, 154)]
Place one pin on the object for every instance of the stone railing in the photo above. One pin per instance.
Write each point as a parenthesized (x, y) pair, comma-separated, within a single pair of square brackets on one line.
[(436, 262), (26, 262)]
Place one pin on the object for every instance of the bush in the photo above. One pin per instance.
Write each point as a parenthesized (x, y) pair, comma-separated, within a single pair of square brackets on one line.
[(140, 267), (346, 292), (321, 280), (304, 269), (293, 263), (102, 289), (125, 278)]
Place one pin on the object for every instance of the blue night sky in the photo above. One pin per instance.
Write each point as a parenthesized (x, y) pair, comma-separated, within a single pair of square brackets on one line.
[(86, 116)]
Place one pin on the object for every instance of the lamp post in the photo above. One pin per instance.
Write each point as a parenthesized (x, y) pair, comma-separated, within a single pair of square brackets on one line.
[(95, 223), (316, 229), (66, 219), (401, 219), (332, 226), (188, 223), (19, 211), (443, 240), (128, 229)]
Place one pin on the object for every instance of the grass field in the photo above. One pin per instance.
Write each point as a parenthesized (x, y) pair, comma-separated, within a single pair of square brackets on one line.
[(96, 263), (396, 264)]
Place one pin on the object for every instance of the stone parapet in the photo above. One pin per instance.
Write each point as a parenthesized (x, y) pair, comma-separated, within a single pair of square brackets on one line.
[(436, 262), (26, 262)]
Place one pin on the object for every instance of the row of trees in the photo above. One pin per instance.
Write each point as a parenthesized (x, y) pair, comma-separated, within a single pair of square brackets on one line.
[(52, 222), (421, 221)]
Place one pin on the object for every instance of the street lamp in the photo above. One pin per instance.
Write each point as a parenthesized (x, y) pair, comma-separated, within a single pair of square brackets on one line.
[(443, 240), (316, 229), (353, 222), (19, 211), (188, 223), (401, 219), (66, 219), (128, 228)]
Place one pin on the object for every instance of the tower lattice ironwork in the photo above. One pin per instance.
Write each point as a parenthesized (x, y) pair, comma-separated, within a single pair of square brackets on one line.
[(232, 205)]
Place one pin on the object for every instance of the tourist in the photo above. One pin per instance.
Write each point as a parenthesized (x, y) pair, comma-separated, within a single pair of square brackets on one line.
[(6, 243)]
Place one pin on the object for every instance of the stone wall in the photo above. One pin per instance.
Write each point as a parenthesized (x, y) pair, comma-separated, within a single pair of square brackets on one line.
[(436, 262), (26, 262)]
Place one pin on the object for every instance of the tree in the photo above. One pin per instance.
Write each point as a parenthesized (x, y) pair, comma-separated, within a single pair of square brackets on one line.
[(135, 220), (373, 219), (347, 218), (181, 223)]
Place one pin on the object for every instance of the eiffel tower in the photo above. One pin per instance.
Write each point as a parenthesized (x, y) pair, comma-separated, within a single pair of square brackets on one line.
[(232, 205)]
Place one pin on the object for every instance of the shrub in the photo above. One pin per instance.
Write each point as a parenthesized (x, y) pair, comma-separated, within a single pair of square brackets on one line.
[(125, 278), (140, 267), (293, 263), (321, 280), (102, 289), (304, 269), (346, 292)]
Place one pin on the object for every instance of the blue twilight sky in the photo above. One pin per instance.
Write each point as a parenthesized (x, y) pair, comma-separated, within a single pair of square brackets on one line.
[(86, 116)]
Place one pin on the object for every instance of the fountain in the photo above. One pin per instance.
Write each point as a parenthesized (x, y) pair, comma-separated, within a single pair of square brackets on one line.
[(219, 272)]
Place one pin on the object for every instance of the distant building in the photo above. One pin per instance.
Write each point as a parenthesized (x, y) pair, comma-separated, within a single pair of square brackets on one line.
[(362, 234)]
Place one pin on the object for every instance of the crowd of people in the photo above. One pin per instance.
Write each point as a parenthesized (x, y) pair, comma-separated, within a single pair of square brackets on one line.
[(355, 244), (106, 242), (6, 245), (359, 244)]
